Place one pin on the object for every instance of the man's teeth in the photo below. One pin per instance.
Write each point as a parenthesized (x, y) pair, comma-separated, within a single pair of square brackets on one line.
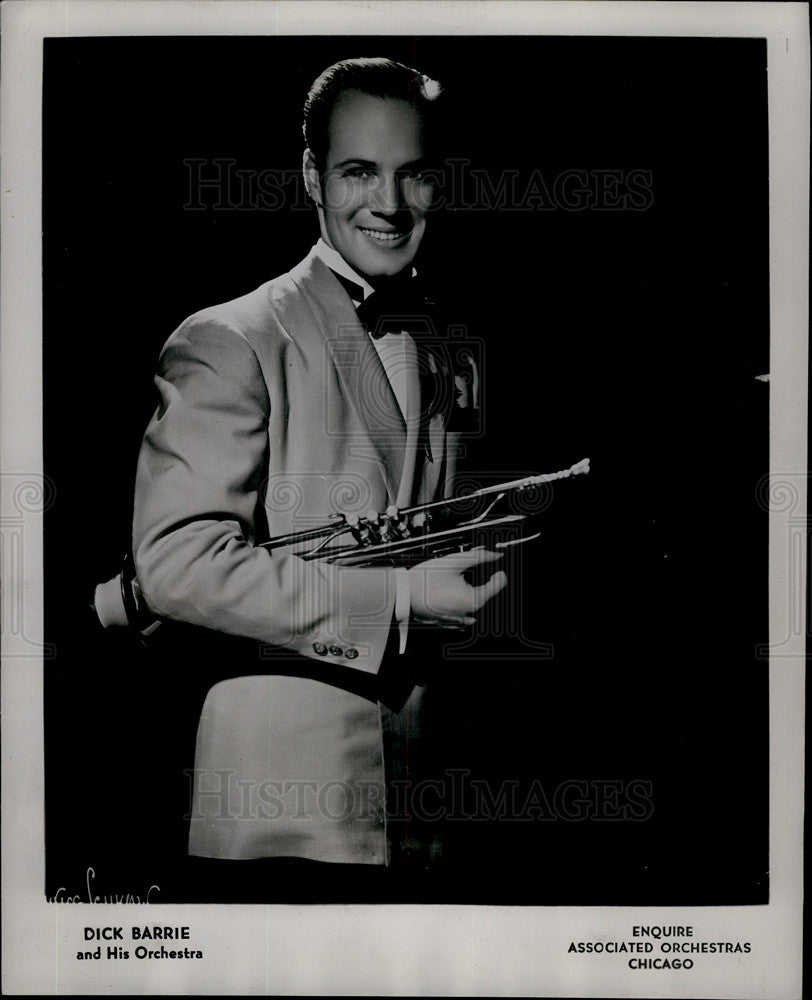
[(376, 234)]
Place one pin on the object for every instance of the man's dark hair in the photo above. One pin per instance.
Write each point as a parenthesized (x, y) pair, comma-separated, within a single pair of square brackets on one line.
[(377, 77)]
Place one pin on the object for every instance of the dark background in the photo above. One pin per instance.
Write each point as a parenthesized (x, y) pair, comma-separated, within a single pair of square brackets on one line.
[(632, 337)]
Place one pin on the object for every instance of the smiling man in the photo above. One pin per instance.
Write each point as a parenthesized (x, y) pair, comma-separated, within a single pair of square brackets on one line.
[(275, 409), (369, 183)]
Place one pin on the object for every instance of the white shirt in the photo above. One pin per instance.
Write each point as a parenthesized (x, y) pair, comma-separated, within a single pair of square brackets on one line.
[(398, 354)]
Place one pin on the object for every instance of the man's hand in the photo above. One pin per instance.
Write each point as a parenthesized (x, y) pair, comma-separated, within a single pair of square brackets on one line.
[(440, 594)]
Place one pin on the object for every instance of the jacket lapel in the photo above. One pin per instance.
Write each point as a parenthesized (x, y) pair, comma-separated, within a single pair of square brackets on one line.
[(435, 397), (364, 384)]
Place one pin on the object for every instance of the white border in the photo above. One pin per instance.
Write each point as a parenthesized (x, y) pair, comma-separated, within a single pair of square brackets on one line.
[(470, 950)]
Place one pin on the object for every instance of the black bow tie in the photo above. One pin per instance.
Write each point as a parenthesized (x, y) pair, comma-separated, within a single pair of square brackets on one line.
[(392, 308)]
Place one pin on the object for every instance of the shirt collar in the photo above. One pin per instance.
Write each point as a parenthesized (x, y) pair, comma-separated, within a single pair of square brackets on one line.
[(333, 259)]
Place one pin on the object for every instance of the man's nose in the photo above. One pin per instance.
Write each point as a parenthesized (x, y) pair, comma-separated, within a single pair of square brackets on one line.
[(387, 198)]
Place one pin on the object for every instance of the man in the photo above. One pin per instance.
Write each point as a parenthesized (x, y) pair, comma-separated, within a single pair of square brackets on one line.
[(276, 408)]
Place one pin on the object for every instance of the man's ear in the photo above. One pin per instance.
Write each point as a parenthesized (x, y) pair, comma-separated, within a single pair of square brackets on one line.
[(311, 177)]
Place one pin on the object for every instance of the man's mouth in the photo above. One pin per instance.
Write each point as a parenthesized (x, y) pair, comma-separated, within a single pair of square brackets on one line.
[(385, 236)]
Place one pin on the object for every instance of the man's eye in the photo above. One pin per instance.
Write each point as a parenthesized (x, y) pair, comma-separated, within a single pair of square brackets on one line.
[(418, 176), (362, 173)]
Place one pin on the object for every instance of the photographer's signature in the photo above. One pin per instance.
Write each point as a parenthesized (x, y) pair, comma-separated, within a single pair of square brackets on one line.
[(62, 895)]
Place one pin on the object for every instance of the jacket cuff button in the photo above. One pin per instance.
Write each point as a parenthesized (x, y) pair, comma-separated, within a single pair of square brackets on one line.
[(320, 648), (351, 654), (336, 651)]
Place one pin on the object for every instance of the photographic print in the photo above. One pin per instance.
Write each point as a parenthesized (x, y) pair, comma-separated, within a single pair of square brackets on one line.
[(419, 544)]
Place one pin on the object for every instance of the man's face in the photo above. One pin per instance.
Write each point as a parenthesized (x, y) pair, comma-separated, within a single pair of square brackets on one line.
[(373, 195)]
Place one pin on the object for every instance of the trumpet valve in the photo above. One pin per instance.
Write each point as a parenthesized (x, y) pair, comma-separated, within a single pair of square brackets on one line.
[(396, 525), (359, 530), (374, 526), (421, 522)]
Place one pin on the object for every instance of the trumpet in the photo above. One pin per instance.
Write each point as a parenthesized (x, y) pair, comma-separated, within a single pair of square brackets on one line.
[(393, 538)]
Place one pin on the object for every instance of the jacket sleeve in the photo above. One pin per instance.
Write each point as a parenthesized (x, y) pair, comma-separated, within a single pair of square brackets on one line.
[(197, 488)]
